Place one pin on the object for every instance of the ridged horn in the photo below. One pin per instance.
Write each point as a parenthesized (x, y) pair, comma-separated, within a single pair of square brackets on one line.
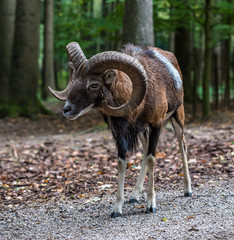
[(75, 57), (132, 67)]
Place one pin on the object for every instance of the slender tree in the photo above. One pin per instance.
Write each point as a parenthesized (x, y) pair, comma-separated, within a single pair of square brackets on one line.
[(227, 50), (215, 79), (180, 10), (48, 78), (7, 19), (196, 77), (97, 14), (207, 59), (97, 8), (138, 22), (24, 66), (183, 52)]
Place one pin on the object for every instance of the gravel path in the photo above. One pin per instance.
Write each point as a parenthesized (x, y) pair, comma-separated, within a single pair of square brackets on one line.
[(207, 215)]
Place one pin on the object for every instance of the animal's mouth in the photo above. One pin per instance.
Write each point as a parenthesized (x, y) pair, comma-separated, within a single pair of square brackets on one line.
[(75, 116)]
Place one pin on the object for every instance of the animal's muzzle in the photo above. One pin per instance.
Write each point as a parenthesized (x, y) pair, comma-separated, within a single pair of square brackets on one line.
[(66, 109)]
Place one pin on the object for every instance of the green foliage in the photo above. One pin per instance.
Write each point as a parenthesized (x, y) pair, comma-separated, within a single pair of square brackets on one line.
[(74, 21), (3, 109), (170, 15), (25, 108)]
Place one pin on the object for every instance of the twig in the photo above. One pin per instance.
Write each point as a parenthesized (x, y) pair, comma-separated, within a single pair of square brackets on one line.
[(14, 150), (7, 160)]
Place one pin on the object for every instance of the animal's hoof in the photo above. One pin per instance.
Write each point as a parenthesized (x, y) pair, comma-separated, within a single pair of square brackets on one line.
[(133, 200), (115, 214), (188, 194), (150, 210)]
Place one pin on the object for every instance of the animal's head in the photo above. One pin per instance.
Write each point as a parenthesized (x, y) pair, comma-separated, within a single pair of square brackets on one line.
[(90, 80)]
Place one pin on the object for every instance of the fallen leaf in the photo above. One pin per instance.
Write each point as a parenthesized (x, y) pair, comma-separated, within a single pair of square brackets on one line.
[(192, 216), (160, 154), (193, 229)]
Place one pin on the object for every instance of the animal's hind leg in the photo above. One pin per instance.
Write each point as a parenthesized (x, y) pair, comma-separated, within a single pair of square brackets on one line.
[(177, 124), (153, 140), (144, 168)]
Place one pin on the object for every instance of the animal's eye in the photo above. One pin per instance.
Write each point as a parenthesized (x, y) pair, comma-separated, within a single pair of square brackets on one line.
[(94, 85)]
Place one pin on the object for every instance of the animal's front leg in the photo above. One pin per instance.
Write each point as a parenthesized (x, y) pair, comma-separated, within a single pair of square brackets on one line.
[(117, 211), (153, 140), (151, 201), (144, 168)]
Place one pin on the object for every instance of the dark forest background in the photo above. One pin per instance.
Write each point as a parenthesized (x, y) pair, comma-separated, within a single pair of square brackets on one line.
[(33, 36)]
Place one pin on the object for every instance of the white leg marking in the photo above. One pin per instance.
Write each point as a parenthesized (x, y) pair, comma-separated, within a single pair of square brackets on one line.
[(180, 135), (120, 193), (144, 168), (151, 203)]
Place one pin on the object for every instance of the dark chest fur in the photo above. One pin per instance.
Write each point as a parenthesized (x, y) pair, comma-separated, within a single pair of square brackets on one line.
[(125, 133)]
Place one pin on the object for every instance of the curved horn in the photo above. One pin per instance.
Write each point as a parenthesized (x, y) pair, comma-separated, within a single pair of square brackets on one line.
[(75, 57), (129, 65)]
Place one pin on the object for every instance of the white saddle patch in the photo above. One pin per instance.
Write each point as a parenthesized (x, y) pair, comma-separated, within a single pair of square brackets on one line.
[(172, 70)]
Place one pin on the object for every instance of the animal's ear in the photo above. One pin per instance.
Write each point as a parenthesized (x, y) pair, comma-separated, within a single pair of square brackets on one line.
[(109, 77)]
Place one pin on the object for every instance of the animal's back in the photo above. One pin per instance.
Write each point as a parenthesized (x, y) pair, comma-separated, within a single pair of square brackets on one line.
[(165, 81)]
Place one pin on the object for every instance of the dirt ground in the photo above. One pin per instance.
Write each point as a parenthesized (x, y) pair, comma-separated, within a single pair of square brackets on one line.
[(208, 214), (58, 181)]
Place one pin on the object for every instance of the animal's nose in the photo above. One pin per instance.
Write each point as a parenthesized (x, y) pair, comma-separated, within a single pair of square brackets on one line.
[(66, 109)]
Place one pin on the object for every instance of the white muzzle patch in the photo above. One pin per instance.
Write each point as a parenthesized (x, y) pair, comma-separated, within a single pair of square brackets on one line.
[(84, 111)]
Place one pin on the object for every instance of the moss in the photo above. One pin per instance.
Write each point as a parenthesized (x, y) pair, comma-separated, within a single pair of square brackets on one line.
[(44, 110), (3, 110), (25, 108), (13, 110)]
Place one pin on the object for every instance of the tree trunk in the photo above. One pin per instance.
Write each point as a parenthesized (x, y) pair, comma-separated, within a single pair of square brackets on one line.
[(7, 19), (48, 60), (227, 50), (183, 53), (97, 8), (171, 40), (138, 22), (56, 74), (215, 78), (208, 60), (232, 79), (196, 78), (97, 13), (24, 67), (118, 33)]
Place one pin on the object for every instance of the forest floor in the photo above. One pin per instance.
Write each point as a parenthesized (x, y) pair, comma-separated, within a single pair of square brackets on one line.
[(58, 180)]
